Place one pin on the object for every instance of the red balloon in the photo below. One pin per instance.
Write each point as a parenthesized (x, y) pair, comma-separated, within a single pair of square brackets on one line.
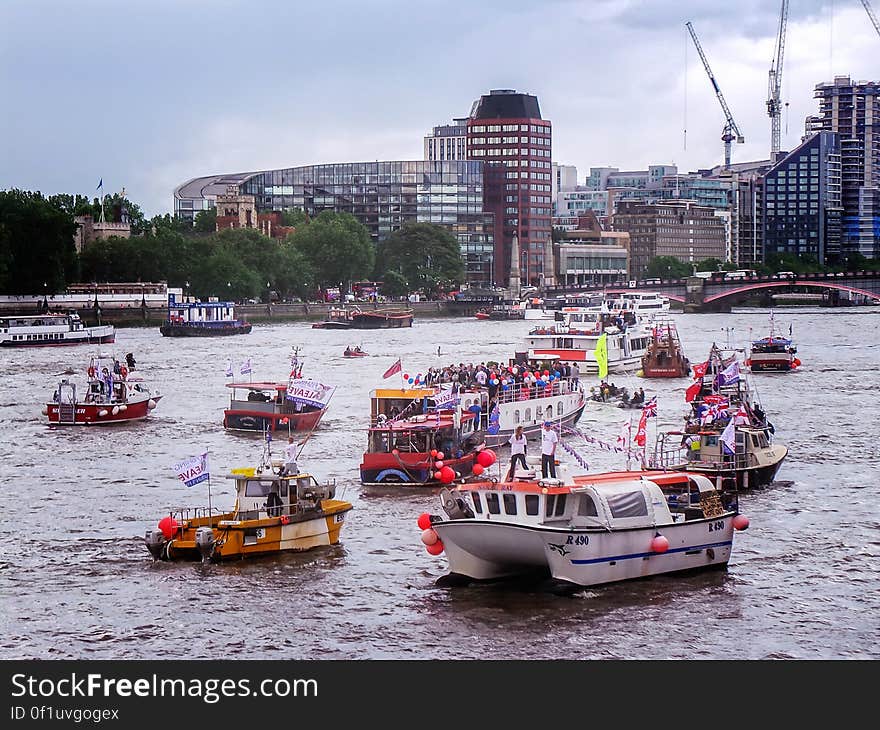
[(406, 376), (395, 452), (440, 455), (434, 453), (546, 372), (436, 548), (438, 464), (168, 525), (447, 474), (424, 521), (429, 536), (477, 469), (486, 457), (741, 522), (438, 476)]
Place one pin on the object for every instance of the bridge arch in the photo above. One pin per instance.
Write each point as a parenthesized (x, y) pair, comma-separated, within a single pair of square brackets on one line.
[(737, 292)]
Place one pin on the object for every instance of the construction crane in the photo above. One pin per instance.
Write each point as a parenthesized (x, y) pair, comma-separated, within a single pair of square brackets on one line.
[(872, 16), (774, 87), (731, 130)]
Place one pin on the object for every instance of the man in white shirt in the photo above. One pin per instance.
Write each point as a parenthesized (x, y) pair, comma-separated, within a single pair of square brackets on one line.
[(518, 443), (290, 466), (549, 439)]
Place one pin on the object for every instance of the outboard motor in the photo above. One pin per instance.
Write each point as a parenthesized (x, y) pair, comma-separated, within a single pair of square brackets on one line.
[(205, 542), (155, 542), (455, 507)]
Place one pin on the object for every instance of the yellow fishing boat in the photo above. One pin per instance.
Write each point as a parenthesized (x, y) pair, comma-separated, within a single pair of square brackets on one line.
[(273, 513)]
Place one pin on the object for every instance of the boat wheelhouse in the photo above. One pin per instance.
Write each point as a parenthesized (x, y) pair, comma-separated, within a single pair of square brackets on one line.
[(202, 319), (407, 425), (585, 530), (50, 330)]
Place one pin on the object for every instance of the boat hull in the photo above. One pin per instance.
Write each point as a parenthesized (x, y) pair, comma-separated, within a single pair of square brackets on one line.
[(201, 330), (240, 539), (90, 413), (589, 557), (380, 321), (408, 469), (260, 422), (69, 338), (533, 429), (484, 550)]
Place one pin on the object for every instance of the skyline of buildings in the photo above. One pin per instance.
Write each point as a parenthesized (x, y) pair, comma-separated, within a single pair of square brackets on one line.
[(821, 199)]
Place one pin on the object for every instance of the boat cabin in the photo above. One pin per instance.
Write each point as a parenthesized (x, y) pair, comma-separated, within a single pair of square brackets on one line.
[(704, 449), (607, 501), (264, 494), (199, 313)]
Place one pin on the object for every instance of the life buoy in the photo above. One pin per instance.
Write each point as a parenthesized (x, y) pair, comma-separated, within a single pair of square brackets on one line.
[(91, 371)]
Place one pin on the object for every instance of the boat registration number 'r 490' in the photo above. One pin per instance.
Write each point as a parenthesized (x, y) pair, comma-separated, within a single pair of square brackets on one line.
[(715, 526), (578, 540)]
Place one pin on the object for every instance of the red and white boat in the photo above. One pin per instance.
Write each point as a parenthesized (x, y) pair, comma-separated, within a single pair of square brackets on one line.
[(110, 395), (355, 352)]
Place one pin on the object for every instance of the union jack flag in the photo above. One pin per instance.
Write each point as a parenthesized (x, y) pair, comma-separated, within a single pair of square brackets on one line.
[(650, 408)]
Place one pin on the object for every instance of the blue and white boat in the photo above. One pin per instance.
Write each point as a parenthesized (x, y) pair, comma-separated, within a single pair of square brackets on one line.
[(202, 319)]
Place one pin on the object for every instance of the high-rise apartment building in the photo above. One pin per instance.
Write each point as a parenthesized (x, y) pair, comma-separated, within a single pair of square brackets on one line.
[(447, 141), (802, 201), (852, 109), (505, 130)]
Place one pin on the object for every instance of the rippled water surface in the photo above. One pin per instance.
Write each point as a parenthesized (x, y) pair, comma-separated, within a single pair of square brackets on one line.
[(77, 582)]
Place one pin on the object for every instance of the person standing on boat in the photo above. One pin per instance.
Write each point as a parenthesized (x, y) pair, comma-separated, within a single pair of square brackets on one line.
[(518, 443), (290, 466), (575, 374), (549, 439)]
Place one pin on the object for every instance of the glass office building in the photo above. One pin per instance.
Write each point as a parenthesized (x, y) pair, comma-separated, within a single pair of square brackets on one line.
[(384, 196)]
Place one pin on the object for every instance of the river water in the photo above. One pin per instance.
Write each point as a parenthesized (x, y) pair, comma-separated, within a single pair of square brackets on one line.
[(77, 582)]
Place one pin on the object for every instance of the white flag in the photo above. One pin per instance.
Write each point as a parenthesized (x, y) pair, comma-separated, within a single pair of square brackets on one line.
[(245, 367), (728, 437), (624, 436), (193, 470)]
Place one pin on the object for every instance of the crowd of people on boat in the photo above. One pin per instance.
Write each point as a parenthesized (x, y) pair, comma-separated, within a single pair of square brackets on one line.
[(519, 377), (607, 392)]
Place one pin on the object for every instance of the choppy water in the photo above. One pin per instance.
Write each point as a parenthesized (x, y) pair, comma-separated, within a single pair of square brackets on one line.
[(77, 582)]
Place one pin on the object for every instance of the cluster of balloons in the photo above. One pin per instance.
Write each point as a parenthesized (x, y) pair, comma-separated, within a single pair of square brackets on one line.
[(442, 472), (537, 377), (168, 526), (430, 538), (414, 379)]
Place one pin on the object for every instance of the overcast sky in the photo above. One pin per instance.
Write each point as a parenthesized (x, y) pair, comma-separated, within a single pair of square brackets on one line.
[(149, 93)]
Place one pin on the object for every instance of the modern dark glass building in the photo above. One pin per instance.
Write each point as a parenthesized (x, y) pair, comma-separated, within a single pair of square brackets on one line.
[(381, 195), (505, 130), (802, 200)]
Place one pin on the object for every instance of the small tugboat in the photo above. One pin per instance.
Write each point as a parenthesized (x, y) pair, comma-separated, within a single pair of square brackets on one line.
[(202, 319), (773, 353), (664, 357), (727, 436), (354, 351), (297, 404), (274, 512), (419, 437), (50, 330), (585, 530), (356, 318), (110, 395)]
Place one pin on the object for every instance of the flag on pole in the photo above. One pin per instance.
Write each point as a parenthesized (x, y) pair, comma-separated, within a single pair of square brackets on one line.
[(728, 437), (601, 355), (700, 369), (229, 372), (729, 375), (649, 410), (100, 184), (193, 470), (741, 417), (693, 391), (641, 432), (396, 368), (245, 367)]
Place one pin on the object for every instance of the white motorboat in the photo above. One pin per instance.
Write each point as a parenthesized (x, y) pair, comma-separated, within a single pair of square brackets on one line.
[(584, 530)]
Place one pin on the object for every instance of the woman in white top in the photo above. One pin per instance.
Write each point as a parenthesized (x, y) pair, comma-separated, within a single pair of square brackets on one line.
[(518, 443)]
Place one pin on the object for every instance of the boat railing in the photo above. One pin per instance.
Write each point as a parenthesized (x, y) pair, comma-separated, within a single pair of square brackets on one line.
[(671, 458), (523, 392), (187, 514)]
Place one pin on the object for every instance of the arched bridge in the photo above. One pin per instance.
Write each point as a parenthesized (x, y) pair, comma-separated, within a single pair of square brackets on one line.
[(719, 293)]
